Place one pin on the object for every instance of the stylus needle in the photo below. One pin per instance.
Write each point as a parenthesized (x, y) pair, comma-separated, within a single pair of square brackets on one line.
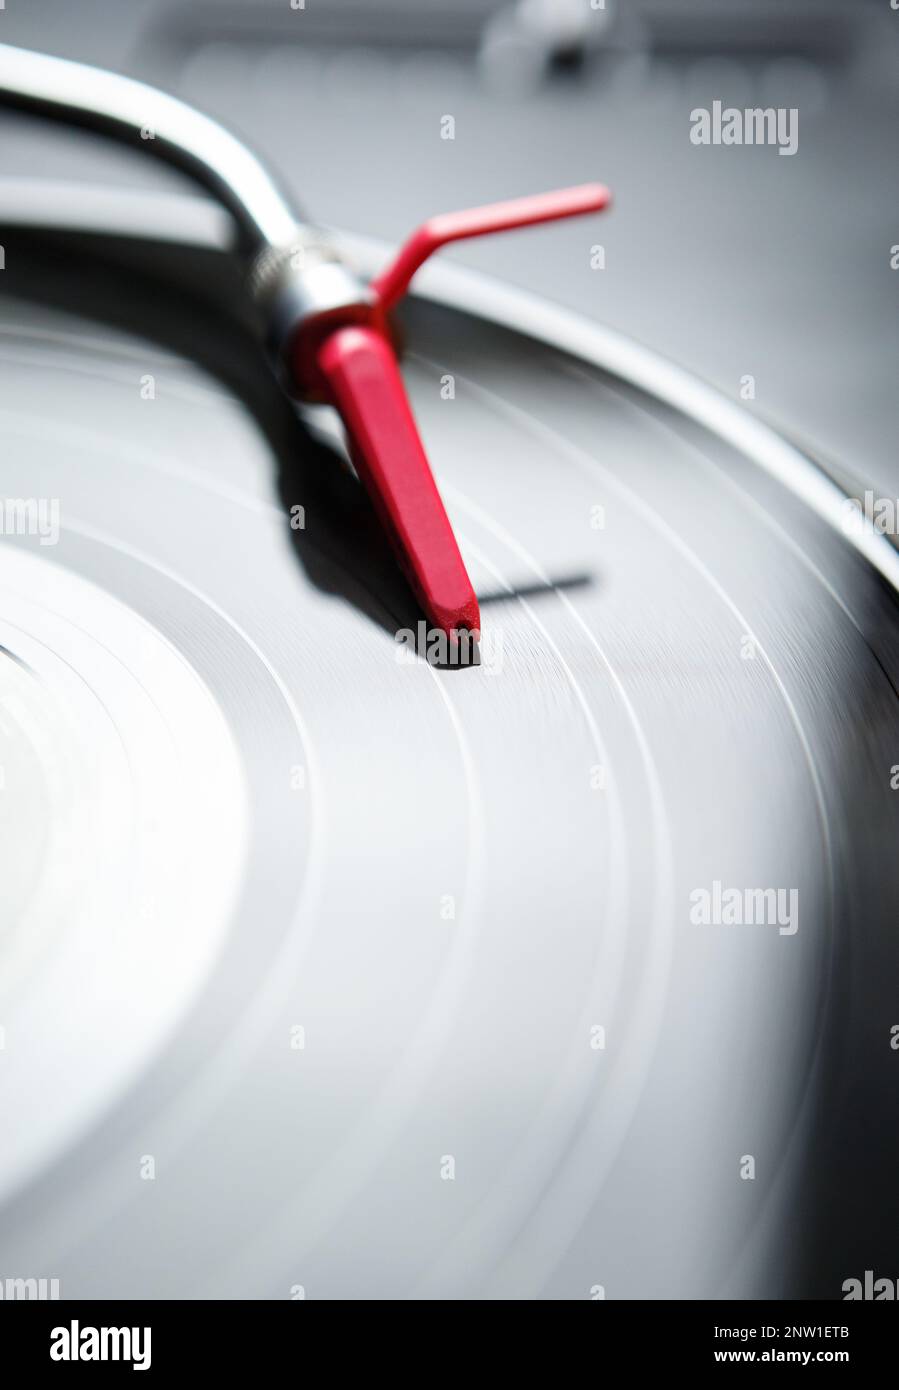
[(362, 371), (356, 367)]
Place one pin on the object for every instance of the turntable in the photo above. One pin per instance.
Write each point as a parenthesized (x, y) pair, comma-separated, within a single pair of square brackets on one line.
[(334, 969)]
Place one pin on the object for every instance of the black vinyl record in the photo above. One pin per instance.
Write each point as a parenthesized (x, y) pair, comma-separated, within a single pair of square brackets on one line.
[(332, 968)]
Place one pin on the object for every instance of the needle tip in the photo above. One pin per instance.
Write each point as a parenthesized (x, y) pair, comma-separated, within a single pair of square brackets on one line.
[(456, 618)]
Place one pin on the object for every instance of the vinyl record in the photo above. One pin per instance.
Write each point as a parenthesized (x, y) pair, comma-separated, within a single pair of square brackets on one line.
[(332, 965)]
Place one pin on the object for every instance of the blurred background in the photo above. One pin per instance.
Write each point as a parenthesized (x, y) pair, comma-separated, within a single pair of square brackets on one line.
[(734, 261)]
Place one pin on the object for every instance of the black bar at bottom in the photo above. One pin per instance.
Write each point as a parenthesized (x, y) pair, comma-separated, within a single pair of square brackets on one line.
[(233, 1337)]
